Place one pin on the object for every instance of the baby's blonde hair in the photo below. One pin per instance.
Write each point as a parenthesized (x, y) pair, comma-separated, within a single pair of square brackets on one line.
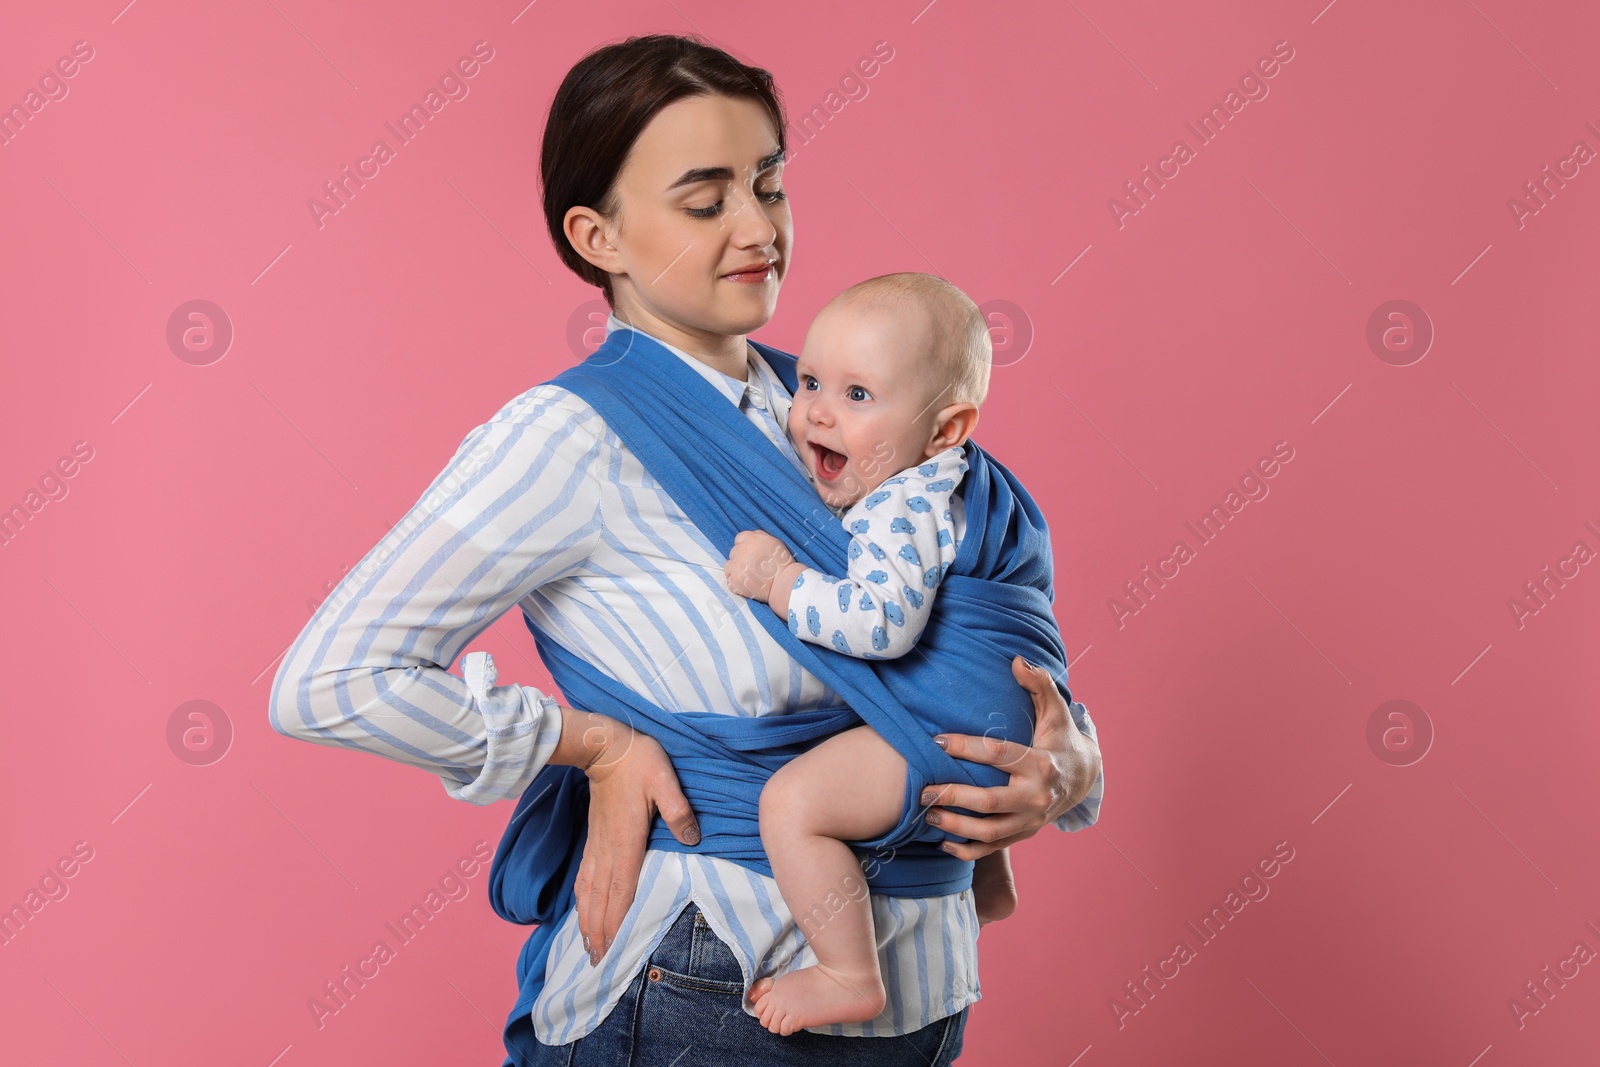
[(962, 350)]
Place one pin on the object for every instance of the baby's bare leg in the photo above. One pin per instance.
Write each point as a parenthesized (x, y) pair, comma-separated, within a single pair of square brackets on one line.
[(994, 887), (848, 788)]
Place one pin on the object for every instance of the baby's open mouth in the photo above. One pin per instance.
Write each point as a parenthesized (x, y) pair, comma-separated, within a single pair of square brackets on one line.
[(829, 462)]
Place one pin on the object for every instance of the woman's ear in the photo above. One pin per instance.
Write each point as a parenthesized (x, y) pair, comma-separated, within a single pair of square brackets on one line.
[(589, 232)]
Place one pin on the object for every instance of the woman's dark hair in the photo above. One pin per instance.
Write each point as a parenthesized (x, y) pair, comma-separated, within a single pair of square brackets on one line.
[(605, 102)]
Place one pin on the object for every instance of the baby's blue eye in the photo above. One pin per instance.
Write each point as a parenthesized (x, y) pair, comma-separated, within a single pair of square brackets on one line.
[(854, 389), (809, 381)]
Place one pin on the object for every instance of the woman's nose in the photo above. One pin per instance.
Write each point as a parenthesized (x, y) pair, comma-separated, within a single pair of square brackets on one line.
[(749, 224)]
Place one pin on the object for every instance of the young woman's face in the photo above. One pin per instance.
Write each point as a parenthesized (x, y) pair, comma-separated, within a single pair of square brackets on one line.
[(700, 203)]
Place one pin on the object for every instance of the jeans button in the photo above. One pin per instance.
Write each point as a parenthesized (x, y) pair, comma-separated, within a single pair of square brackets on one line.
[(654, 974)]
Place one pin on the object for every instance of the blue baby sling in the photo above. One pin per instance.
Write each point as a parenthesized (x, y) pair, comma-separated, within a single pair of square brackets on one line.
[(993, 603)]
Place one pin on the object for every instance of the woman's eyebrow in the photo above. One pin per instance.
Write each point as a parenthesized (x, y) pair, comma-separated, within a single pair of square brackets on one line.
[(724, 174)]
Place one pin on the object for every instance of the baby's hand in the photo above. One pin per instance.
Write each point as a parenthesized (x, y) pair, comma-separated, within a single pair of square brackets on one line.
[(756, 559)]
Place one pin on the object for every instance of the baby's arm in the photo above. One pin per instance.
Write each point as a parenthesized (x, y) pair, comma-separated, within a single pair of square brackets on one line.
[(903, 542)]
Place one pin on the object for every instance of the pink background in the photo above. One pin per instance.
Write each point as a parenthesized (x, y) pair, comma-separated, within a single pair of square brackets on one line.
[(1228, 314)]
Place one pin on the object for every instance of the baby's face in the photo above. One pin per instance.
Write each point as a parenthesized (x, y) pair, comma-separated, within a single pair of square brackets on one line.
[(865, 406)]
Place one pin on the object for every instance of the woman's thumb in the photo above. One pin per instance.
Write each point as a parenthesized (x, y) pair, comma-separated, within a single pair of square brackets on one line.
[(674, 808), (1029, 676)]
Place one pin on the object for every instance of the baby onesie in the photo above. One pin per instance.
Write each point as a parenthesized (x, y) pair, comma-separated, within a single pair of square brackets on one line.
[(905, 534)]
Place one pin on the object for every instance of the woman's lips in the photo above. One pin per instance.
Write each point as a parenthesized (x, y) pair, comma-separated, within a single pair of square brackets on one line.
[(750, 277)]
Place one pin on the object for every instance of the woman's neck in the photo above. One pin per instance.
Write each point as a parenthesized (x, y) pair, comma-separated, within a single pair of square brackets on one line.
[(727, 353)]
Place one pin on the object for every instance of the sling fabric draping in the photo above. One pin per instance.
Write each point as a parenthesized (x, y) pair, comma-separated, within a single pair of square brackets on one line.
[(993, 603)]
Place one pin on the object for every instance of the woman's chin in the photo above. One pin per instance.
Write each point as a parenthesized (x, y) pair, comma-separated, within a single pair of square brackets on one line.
[(748, 311)]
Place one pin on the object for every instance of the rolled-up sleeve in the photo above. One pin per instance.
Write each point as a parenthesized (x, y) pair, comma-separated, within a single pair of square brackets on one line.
[(516, 507)]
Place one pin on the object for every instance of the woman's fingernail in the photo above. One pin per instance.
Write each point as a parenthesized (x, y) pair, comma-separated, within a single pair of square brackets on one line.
[(929, 797), (692, 834), (1029, 663), (941, 742), (932, 817), (586, 947)]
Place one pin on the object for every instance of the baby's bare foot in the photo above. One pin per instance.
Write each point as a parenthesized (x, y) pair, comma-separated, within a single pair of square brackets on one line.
[(816, 996)]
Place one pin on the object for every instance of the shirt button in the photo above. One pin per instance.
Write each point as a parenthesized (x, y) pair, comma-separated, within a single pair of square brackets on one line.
[(654, 974)]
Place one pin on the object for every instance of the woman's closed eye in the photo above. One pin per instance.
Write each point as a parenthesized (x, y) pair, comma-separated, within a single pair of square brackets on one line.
[(714, 210)]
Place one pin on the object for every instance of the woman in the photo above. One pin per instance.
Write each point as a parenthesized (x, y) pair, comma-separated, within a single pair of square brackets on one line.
[(661, 166)]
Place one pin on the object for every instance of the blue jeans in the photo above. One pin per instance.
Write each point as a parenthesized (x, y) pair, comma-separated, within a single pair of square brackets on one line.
[(684, 1009)]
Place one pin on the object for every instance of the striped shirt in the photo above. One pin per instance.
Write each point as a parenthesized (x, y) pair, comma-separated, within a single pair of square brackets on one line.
[(543, 508)]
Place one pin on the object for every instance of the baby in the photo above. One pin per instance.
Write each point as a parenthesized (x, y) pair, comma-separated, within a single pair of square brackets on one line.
[(888, 386)]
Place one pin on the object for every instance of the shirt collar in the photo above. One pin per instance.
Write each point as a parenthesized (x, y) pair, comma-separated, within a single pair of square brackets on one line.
[(766, 390), (756, 381)]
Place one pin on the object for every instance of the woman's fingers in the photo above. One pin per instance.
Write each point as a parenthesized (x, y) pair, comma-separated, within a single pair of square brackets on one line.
[(628, 844), (1050, 710), (1050, 714), (627, 859), (976, 850), (583, 890), (1012, 812), (991, 832), (608, 876), (984, 828), (1047, 777), (625, 794), (972, 797), (674, 806), (995, 751)]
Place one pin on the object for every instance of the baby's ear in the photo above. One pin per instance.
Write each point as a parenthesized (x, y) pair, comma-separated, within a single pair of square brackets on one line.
[(955, 425)]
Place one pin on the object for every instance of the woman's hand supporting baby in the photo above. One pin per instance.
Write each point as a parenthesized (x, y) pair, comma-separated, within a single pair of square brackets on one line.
[(761, 567), (1048, 778)]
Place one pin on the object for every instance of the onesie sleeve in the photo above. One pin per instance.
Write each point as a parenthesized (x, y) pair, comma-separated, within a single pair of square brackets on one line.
[(903, 540)]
